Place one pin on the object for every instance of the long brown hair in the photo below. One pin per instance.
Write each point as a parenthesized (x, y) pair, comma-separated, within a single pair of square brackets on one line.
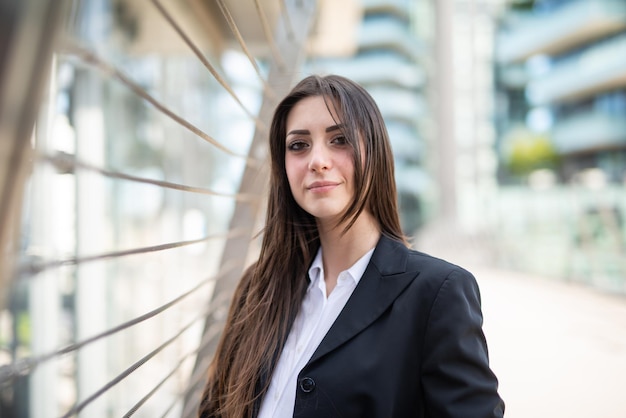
[(270, 292)]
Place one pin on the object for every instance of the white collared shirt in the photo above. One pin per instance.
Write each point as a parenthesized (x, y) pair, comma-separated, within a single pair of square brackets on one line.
[(316, 316)]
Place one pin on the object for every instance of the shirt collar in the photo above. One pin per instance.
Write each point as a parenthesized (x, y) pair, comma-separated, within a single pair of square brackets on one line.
[(316, 271)]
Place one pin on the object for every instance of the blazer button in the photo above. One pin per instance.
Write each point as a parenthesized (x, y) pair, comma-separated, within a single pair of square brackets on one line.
[(307, 384)]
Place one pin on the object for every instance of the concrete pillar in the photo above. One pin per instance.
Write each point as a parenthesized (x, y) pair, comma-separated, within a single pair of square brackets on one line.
[(445, 115)]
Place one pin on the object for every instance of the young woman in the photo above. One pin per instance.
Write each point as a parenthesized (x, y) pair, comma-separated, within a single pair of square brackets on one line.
[(338, 317)]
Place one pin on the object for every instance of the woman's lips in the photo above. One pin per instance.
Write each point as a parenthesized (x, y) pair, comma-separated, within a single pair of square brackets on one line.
[(321, 186)]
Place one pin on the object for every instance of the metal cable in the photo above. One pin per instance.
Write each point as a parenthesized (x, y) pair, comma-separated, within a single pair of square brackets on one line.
[(172, 372), (207, 64), (65, 163), (268, 35), (233, 27), (196, 377), (81, 405), (169, 408), (143, 400), (73, 48), (26, 365), (35, 267)]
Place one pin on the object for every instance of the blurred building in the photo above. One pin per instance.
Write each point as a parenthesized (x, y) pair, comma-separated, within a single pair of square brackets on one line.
[(561, 128), (562, 76)]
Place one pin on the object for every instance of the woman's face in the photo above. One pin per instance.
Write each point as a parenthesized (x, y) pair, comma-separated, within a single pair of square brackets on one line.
[(318, 160)]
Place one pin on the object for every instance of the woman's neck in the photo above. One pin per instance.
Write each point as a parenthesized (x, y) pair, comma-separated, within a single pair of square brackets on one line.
[(341, 250)]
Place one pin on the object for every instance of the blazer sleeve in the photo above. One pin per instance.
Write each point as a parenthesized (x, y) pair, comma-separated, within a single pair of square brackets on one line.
[(457, 380)]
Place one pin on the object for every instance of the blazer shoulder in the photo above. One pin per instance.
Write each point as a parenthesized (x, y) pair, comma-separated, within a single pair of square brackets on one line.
[(433, 267), (392, 257), (419, 258)]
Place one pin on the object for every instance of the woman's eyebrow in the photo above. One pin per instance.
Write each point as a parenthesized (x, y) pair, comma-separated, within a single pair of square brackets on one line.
[(335, 127), (307, 132), (299, 132)]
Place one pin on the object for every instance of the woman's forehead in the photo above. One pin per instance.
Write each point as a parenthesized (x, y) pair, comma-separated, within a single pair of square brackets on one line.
[(313, 109)]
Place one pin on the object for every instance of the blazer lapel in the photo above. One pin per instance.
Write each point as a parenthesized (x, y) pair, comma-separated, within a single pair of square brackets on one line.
[(382, 282)]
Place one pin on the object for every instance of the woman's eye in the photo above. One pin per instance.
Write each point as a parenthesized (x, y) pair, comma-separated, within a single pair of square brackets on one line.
[(296, 146), (339, 140)]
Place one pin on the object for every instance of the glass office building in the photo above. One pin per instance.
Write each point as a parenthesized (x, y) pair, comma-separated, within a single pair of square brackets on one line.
[(561, 123)]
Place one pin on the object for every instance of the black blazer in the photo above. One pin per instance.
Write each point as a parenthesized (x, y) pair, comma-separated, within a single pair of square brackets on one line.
[(409, 343)]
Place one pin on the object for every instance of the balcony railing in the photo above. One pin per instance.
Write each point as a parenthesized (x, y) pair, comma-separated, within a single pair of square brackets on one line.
[(401, 8), (386, 33), (600, 68), (382, 68), (568, 27), (589, 132)]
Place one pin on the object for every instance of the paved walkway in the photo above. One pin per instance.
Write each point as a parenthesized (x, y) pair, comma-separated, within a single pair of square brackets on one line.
[(559, 350)]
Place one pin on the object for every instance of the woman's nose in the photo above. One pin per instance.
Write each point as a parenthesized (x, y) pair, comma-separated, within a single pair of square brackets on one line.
[(320, 159)]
